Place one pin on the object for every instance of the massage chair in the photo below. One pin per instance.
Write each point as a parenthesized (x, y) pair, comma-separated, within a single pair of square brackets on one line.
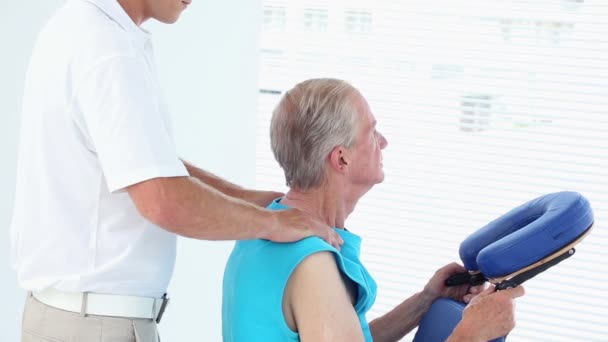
[(511, 249)]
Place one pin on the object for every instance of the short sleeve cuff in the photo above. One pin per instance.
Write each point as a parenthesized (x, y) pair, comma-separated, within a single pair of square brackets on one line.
[(118, 184)]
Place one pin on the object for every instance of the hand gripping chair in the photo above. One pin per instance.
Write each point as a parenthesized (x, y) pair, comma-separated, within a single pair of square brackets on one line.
[(510, 250)]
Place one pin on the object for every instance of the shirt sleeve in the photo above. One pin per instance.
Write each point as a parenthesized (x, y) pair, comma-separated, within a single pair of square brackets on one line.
[(120, 104)]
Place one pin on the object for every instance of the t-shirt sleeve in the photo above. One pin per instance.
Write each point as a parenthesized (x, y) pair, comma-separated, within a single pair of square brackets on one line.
[(122, 114)]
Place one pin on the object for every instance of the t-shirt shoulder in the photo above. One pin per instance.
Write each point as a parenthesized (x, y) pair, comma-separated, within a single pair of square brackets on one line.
[(89, 34)]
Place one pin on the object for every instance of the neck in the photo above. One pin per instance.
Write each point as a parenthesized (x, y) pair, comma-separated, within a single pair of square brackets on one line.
[(331, 205), (135, 9)]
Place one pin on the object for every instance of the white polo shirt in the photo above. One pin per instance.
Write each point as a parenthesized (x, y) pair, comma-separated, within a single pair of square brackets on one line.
[(93, 123)]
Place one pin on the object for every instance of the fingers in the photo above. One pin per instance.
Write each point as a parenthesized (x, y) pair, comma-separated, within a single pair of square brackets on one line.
[(318, 228), (451, 268), (467, 298), (296, 225), (331, 237), (493, 312), (448, 270), (474, 291), (489, 290), (335, 240), (484, 293), (477, 289), (512, 293), (515, 292)]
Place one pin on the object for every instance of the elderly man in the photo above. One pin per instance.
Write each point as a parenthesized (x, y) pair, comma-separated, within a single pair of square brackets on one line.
[(324, 136)]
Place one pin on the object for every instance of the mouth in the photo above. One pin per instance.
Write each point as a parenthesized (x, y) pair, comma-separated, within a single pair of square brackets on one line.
[(186, 2)]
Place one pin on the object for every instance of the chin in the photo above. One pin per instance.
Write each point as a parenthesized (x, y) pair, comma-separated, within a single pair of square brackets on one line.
[(168, 20), (381, 176), (380, 179)]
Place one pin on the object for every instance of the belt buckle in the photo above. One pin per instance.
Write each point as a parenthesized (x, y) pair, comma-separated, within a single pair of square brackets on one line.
[(163, 306)]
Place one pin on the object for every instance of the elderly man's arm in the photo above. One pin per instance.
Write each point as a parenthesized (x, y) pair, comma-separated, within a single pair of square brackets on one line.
[(191, 208), (407, 315), (317, 303), (257, 197), (398, 322), (489, 315)]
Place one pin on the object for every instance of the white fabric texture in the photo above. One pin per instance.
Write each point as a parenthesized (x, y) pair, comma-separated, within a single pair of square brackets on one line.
[(93, 123)]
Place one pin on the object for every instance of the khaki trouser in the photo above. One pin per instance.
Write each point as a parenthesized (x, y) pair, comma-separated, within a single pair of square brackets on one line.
[(43, 323)]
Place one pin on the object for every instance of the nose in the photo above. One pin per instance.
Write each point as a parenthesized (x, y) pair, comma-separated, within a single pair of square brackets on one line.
[(383, 141)]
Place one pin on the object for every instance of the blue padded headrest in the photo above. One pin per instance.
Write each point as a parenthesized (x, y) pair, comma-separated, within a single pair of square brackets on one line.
[(544, 229), (527, 234)]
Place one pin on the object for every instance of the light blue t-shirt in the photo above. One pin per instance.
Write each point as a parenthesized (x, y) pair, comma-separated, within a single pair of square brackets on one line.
[(256, 276)]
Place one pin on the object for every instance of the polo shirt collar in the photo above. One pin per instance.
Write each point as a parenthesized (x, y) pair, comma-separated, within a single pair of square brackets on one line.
[(113, 10)]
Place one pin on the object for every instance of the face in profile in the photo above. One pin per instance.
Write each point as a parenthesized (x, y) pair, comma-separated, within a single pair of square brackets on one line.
[(166, 11), (366, 154)]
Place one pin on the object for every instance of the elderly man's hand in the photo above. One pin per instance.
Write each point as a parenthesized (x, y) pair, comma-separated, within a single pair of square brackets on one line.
[(489, 315), (436, 286), (294, 225)]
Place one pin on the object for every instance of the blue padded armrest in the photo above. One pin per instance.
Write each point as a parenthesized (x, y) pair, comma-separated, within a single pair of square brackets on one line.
[(439, 322)]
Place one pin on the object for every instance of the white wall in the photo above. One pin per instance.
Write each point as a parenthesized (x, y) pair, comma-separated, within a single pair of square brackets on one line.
[(208, 67)]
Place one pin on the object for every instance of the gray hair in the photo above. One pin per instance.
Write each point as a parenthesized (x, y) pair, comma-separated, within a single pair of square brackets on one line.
[(309, 121)]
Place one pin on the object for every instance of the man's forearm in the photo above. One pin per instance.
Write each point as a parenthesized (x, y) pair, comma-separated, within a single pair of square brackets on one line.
[(260, 198), (214, 181), (401, 320), (191, 208)]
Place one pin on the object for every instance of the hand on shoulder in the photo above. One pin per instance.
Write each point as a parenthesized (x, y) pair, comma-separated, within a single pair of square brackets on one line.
[(292, 225)]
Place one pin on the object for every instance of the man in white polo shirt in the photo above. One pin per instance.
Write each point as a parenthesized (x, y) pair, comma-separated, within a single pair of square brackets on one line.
[(101, 192)]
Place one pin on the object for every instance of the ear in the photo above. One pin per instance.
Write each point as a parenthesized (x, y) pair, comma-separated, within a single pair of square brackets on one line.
[(339, 159)]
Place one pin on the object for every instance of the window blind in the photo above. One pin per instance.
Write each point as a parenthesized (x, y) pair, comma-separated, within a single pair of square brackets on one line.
[(486, 105)]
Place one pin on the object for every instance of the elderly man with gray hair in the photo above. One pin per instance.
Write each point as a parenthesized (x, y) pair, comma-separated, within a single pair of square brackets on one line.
[(323, 134)]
